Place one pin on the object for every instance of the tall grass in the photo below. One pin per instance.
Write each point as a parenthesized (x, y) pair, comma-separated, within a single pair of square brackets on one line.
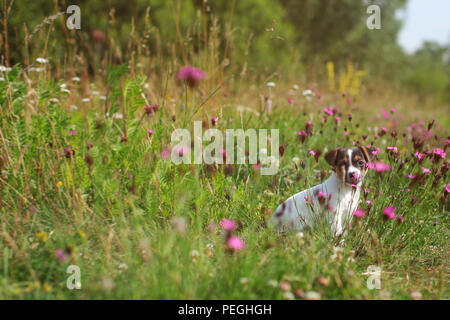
[(74, 191)]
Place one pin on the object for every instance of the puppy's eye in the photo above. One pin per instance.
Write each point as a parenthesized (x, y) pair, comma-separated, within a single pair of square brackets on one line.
[(361, 163)]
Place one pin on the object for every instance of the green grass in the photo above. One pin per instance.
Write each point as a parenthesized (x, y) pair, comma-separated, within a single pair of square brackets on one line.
[(114, 217)]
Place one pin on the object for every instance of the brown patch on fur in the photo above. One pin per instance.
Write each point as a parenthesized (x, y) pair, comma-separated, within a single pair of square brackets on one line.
[(280, 213), (365, 152)]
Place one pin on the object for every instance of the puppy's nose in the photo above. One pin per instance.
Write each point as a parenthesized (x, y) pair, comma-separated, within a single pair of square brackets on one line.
[(353, 176)]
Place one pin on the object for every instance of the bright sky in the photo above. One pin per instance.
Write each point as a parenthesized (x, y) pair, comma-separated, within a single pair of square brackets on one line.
[(424, 20)]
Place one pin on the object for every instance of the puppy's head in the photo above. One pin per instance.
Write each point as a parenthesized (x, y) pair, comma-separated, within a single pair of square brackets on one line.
[(349, 164)]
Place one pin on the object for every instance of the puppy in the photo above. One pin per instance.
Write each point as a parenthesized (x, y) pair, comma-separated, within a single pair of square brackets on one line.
[(335, 199)]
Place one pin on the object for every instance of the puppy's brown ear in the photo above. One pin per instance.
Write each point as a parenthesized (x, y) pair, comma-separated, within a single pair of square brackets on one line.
[(331, 156), (367, 152)]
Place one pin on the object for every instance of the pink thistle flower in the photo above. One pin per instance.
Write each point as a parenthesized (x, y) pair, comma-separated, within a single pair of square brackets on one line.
[(328, 111), (302, 133), (148, 109), (227, 224), (60, 255), (165, 153), (385, 114), (191, 75), (389, 213), (419, 155), (369, 202), (376, 151), (291, 101), (214, 120), (345, 133), (410, 176), (359, 213), (447, 188), (379, 166), (150, 132), (400, 219), (312, 152), (73, 132), (393, 110), (439, 152), (425, 170), (435, 223), (393, 149), (236, 243)]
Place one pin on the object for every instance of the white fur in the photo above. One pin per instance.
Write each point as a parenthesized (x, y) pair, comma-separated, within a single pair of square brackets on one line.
[(295, 213)]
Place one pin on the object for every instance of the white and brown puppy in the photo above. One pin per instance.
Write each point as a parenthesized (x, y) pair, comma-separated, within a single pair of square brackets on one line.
[(335, 199)]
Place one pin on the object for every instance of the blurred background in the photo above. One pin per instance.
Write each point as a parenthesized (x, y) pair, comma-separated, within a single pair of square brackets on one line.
[(410, 51)]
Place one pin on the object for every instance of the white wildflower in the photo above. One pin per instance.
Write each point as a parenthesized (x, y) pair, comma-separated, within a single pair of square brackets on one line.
[(288, 296), (312, 295), (41, 60), (270, 84)]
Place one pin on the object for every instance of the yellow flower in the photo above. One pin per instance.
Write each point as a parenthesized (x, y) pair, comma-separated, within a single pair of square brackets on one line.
[(82, 234), (47, 287), (59, 184), (42, 236)]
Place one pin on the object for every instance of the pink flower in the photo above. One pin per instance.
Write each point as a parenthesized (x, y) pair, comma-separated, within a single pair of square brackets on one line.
[(291, 101), (419, 155), (302, 133), (345, 133), (389, 213), (447, 188), (400, 219), (439, 152), (256, 166), (73, 132), (385, 114), (312, 152), (191, 75), (393, 149), (236, 243), (60, 255), (214, 120), (410, 176), (165, 153), (393, 110), (328, 111), (180, 150), (376, 151), (369, 202), (150, 132), (227, 224), (425, 170), (359, 213), (379, 166)]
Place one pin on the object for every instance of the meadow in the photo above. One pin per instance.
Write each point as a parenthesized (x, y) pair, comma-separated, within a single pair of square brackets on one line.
[(86, 179)]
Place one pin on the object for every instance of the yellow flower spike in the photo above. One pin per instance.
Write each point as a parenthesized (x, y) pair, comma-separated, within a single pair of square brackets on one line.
[(42, 236), (82, 234), (59, 184)]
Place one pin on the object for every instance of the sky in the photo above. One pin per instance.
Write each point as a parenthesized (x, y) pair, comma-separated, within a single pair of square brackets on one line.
[(424, 20)]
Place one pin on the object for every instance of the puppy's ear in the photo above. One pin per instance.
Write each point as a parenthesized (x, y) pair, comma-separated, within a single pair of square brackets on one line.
[(367, 152), (331, 156)]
